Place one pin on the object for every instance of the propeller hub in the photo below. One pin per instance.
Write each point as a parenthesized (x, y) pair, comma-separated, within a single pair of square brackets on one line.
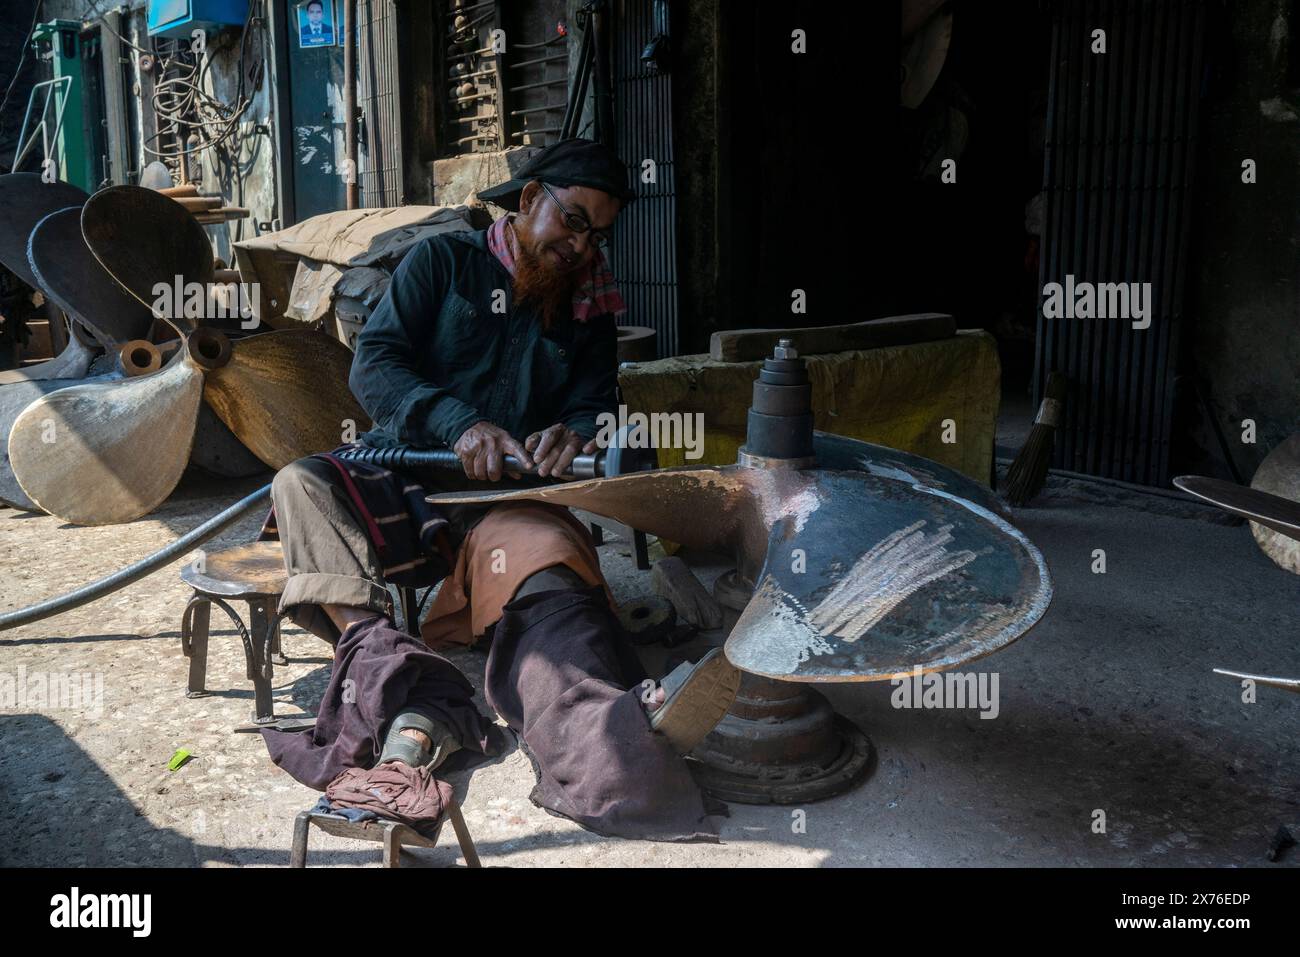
[(780, 433), (208, 348), (140, 357)]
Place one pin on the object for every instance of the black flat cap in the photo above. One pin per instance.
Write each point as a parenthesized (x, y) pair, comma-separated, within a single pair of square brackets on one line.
[(567, 163)]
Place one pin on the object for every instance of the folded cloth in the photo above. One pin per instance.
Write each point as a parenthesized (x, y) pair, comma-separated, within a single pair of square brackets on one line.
[(378, 671), (353, 814), (393, 790)]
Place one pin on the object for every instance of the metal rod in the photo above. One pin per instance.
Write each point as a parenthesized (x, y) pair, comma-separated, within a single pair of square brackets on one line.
[(561, 81), (350, 101), (546, 59), (538, 109)]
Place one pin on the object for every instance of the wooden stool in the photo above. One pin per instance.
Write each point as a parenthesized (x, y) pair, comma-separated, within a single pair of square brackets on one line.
[(390, 833), (253, 573)]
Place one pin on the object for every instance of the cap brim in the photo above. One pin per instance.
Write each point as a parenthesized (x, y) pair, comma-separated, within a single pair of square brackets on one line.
[(506, 195)]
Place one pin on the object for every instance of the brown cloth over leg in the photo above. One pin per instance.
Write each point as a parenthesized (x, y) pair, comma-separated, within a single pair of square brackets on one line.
[(377, 672), (513, 541), (559, 671), (560, 676)]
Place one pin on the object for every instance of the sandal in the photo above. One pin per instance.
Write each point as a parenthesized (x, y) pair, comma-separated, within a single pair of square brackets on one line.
[(400, 747), (697, 697)]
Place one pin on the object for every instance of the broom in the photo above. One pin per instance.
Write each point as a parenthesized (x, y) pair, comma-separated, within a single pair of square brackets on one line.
[(1028, 473)]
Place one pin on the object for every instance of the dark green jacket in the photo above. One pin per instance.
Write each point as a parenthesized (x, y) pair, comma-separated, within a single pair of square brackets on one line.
[(434, 358)]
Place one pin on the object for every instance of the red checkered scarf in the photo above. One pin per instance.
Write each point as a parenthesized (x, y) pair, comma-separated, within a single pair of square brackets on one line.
[(595, 297)]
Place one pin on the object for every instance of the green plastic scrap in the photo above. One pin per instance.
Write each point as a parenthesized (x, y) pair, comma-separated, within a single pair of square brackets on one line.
[(178, 759)]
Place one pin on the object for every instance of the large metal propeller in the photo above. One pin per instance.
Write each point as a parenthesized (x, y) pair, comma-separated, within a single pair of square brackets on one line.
[(68, 272), (858, 574), (110, 451), (25, 200)]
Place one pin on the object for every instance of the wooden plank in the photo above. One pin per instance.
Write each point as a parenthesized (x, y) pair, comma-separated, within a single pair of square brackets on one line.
[(673, 579), (748, 345)]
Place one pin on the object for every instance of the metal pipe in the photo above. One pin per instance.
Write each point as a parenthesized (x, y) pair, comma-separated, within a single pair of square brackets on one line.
[(538, 109), (559, 81), (350, 100), (546, 59)]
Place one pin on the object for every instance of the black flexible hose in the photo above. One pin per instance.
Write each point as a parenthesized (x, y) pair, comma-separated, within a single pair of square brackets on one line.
[(120, 579), (398, 457)]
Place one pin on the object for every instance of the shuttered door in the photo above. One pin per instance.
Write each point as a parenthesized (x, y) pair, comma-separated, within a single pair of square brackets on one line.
[(644, 248), (377, 98), (1118, 170)]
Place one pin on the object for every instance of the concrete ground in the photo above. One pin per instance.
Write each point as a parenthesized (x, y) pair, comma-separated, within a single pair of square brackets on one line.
[(1109, 704)]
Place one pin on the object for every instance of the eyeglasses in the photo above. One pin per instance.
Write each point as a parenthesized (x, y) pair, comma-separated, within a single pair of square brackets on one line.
[(578, 224)]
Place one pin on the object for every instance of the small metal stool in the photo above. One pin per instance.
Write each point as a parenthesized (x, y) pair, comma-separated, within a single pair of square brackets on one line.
[(390, 833), (253, 573)]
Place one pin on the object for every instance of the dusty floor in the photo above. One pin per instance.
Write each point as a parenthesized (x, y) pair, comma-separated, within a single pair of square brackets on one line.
[(1109, 704)]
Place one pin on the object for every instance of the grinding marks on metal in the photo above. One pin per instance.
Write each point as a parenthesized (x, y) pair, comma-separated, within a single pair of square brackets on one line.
[(72, 363), (107, 452), (72, 277), (1280, 514), (143, 238), (14, 398), (285, 394), (858, 576), (24, 201)]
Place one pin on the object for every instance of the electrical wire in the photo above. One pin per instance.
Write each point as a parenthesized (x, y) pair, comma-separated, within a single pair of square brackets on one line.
[(181, 103)]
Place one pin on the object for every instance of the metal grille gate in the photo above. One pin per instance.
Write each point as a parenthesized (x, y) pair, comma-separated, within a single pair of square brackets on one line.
[(643, 254), (380, 163), (1118, 167)]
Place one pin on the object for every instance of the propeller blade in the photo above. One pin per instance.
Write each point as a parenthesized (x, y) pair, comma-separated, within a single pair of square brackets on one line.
[(1278, 513), (73, 278), (218, 451), (706, 508), (108, 452), (143, 238), (866, 579), (72, 363), (24, 201), (285, 394), (889, 575), (841, 452), (14, 398)]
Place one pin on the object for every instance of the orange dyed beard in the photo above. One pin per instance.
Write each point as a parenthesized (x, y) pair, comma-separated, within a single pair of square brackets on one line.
[(538, 282)]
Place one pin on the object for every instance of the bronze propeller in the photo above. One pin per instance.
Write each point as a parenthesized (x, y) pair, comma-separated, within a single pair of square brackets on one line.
[(106, 452), (864, 562)]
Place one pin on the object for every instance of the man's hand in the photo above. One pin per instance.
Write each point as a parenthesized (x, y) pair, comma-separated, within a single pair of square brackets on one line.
[(554, 449), (482, 449)]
